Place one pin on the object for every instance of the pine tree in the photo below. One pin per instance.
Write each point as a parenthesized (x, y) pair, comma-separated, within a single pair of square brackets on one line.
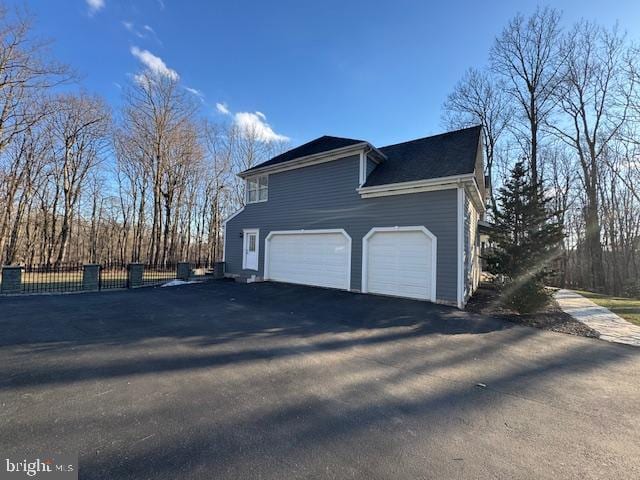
[(528, 239)]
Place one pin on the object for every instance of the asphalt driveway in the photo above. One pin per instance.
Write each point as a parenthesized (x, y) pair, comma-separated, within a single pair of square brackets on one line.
[(222, 380)]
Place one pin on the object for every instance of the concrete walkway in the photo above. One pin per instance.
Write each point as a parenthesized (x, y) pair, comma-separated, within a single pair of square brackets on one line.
[(610, 326)]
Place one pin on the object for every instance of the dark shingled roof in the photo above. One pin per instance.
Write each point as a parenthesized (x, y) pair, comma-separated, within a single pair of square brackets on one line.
[(319, 145), (451, 153)]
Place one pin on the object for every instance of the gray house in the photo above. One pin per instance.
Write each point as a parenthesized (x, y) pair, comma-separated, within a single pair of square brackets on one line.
[(399, 220)]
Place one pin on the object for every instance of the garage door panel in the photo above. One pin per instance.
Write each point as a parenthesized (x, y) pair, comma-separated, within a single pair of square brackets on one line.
[(320, 259), (400, 263)]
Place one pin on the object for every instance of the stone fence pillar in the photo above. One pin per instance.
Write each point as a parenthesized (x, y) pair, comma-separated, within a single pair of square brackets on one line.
[(91, 276), (184, 271), (135, 273), (218, 270), (11, 279)]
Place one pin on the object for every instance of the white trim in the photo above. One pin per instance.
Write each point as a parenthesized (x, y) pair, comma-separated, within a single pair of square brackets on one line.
[(418, 228), (363, 169), (364, 164), (414, 186), (475, 195), (460, 215), (417, 183), (389, 193), (341, 231), (224, 233), (246, 231), (300, 162)]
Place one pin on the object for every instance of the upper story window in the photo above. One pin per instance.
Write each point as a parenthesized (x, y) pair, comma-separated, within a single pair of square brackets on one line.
[(258, 189)]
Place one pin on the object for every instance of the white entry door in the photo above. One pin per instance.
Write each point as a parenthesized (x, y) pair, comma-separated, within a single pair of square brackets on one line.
[(251, 247), (309, 257), (400, 261)]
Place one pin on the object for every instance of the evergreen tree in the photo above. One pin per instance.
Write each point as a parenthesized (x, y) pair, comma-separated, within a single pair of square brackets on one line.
[(528, 239)]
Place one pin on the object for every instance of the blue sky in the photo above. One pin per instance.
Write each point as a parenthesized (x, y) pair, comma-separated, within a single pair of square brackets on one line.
[(377, 70)]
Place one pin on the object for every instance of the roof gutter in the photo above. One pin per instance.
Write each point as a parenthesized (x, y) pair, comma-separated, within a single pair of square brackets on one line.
[(391, 187), (467, 181)]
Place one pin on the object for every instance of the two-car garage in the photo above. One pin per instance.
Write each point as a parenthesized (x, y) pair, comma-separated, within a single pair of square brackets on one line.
[(397, 261)]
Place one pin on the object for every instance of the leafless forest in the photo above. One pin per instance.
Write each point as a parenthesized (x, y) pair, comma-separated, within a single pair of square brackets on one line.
[(151, 182), (566, 100), (154, 180)]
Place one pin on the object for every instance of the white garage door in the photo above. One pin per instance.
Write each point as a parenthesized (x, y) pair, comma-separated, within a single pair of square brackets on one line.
[(311, 257), (400, 261)]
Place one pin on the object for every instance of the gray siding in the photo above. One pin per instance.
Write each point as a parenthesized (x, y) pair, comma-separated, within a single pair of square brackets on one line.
[(324, 196)]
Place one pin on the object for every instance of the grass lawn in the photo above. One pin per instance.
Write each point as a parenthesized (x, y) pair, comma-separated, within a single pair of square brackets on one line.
[(627, 308)]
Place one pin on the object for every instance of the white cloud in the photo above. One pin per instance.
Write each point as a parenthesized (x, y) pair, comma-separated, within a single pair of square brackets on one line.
[(222, 108), (95, 5), (154, 63), (144, 31), (256, 124), (195, 91), (161, 4), (131, 27), (253, 124)]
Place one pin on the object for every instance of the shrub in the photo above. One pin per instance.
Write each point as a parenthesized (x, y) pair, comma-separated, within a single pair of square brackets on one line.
[(525, 297)]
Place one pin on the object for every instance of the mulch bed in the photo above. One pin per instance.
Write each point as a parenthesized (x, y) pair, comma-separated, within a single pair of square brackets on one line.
[(486, 301)]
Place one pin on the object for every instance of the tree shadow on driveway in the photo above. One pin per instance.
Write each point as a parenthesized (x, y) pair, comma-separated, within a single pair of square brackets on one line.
[(271, 381)]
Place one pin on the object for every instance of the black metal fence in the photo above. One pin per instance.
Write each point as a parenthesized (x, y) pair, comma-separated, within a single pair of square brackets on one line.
[(113, 275), (200, 269), (73, 277), (154, 274), (52, 278)]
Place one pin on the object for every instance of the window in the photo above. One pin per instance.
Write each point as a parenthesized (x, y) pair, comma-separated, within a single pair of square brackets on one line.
[(257, 189)]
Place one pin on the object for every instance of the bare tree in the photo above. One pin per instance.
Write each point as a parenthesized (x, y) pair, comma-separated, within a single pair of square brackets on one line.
[(26, 75), (80, 127), (156, 109), (28, 164), (479, 99), (594, 98), (529, 56)]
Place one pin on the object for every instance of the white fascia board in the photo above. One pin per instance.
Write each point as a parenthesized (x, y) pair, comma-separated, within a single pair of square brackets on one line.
[(300, 162), (474, 194), (376, 155), (416, 186)]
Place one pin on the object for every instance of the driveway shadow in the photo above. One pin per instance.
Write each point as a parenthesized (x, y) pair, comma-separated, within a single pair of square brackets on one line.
[(222, 380)]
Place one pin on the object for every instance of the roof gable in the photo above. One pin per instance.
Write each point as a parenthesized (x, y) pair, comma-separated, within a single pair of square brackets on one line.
[(319, 145)]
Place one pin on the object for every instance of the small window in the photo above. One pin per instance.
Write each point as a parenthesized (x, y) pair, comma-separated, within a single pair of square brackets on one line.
[(258, 189), (252, 243)]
